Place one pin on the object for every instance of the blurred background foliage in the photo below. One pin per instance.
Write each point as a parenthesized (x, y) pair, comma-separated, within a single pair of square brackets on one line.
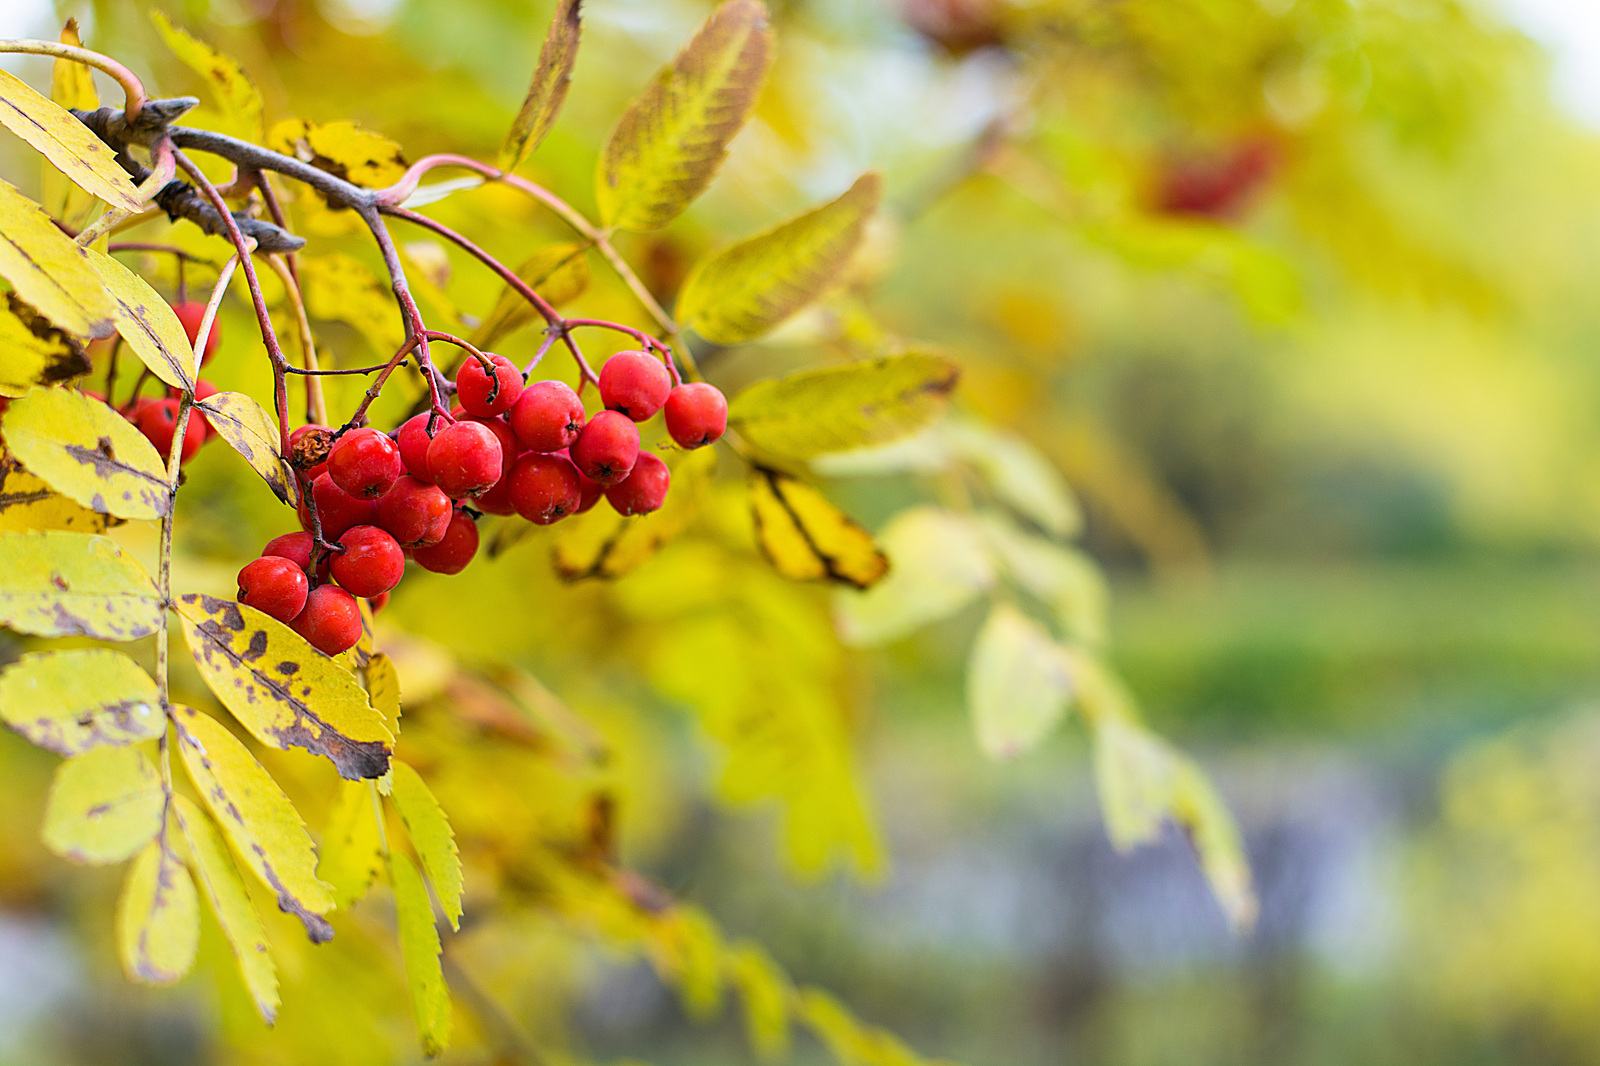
[(1297, 294)]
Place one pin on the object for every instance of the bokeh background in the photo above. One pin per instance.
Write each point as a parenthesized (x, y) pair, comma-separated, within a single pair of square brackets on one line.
[(1298, 295)]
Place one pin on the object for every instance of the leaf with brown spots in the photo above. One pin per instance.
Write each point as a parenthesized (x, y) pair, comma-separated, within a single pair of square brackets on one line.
[(47, 270), (548, 91), (343, 149), (55, 584), (241, 422), (237, 97), (71, 86), (158, 917), (33, 352), (85, 450), (147, 323), (27, 503), (66, 142), (103, 806), (71, 701), (281, 689), (807, 538), (262, 825)]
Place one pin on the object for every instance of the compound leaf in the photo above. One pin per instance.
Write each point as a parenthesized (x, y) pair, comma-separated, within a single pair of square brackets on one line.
[(103, 806), (237, 97), (66, 142), (419, 946), (548, 90), (85, 450), (431, 835), (559, 273), (47, 270), (351, 854), (158, 917), (69, 702), (55, 584), (1018, 682), (147, 323), (251, 432), (807, 538)]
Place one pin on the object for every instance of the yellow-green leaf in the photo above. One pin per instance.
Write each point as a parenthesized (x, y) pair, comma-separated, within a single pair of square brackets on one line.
[(237, 96), (431, 835), (351, 853), (1211, 831), (1065, 580), (281, 689), (71, 701), (27, 503), (55, 584), (548, 90), (340, 288), (66, 142), (939, 563), (71, 86), (85, 450), (383, 685), (49, 271), (32, 352), (158, 918), (746, 290), (103, 806), (260, 822), (230, 902), (765, 991), (558, 273), (1019, 476), (604, 544), (419, 946), (343, 149), (671, 141), (1018, 681), (842, 407), (807, 538), (147, 323), (252, 433)]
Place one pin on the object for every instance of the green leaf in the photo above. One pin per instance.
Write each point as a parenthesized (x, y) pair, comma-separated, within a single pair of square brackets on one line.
[(842, 407), (48, 271), (746, 290), (71, 701), (66, 142), (281, 689), (253, 433), (1065, 580), (419, 946), (351, 855), (939, 563), (230, 903), (85, 450), (559, 273), (671, 141), (27, 503), (548, 90), (147, 323), (158, 918), (263, 826), (32, 352), (807, 538), (1018, 682), (431, 835), (237, 96), (103, 806), (56, 584)]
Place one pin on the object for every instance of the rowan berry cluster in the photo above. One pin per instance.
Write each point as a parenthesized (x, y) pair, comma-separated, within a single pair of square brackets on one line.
[(508, 448), (157, 417)]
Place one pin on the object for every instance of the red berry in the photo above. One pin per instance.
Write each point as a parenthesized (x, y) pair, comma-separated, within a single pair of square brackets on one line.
[(606, 448), (365, 462), (414, 512), (484, 394), (310, 444), (589, 490), (545, 488), (414, 441), (498, 499), (635, 383), (337, 510), (452, 554), (273, 585), (191, 314), (296, 547), (464, 459), (158, 421), (548, 417), (644, 489), (378, 602), (331, 621), (371, 563), (696, 414)]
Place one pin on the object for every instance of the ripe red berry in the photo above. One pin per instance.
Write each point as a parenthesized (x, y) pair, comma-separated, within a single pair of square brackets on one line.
[(635, 383), (545, 488), (378, 602), (296, 547), (484, 394), (414, 440), (308, 449), (158, 421), (548, 417), (452, 554), (371, 563), (191, 314), (464, 459), (606, 448), (414, 513), (273, 585), (331, 621), (589, 490), (696, 414), (365, 462), (643, 490), (336, 509)]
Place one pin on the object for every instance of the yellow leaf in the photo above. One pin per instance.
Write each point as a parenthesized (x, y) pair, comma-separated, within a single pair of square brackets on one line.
[(32, 352), (230, 902), (27, 503), (281, 689), (158, 918), (765, 991), (55, 584), (1018, 682), (671, 141), (48, 271), (340, 148), (236, 95), (71, 86), (845, 1037), (340, 288), (558, 273), (253, 433), (85, 450), (419, 946), (103, 806), (66, 142), (351, 853), (549, 87), (260, 822), (147, 323), (71, 701), (431, 835), (746, 290), (604, 544), (939, 563), (807, 538)]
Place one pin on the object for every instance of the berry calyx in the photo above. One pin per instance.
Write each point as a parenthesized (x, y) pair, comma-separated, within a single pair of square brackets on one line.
[(365, 463), (295, 547), (452, 554), (371, 563), (606, 449), (414, 513), (545, 488), (331, 620), (414, 440), (696, 414), (158, 421), (308, 449), (634, 383), (275, 586), (337, 510), (464, 459), (191, 314), (486, 394), (644, 489), (549, 416)]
